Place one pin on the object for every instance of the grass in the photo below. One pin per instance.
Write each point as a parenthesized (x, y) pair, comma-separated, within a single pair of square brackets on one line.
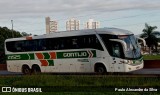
[(84, 93), (78, 80), (151, 57), (80, 84)]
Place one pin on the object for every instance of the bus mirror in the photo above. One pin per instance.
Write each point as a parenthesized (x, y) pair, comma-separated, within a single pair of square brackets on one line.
[(141, 41), (122, 43)]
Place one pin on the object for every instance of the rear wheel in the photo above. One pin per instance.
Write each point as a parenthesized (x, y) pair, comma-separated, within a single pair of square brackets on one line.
[(35, 69), (26, 70)]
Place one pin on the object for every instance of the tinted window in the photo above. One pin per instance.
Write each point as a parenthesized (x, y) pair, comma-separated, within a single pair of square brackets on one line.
[(74, 42), (114, 48)]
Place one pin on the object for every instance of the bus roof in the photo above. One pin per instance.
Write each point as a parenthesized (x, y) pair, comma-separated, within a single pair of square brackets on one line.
[(111, 31)]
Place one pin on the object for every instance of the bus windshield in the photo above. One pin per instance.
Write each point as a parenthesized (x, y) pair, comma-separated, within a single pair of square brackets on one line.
[(133, 50)]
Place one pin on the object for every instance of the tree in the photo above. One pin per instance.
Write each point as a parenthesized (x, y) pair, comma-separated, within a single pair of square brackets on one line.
[(6, 33), (25, 34), (149, 36)]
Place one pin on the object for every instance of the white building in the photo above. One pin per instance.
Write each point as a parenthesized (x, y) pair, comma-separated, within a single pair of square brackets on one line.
[(51, 26), (72, 24), (91, 24)]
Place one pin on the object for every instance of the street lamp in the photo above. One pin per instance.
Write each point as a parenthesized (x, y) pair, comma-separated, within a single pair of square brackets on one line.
[(12, 28)]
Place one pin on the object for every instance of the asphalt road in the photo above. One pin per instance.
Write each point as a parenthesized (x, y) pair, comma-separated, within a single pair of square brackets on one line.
[(8, 73), (147, 71), (142, 71)]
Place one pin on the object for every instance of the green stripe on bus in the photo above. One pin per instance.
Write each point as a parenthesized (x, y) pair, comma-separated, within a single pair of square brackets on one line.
[(31, 56), (18, 57), (46, 55), (68, 54), (51, 62), (94, 53), (76, 54)]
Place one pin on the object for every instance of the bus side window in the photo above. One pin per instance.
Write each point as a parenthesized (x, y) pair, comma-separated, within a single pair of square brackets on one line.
[(17, 46), (94, 43), (98, 45), (74, 43), (117, 50), (11, 46), (80, 42), (61, 43), (43, 44), (56, 45)]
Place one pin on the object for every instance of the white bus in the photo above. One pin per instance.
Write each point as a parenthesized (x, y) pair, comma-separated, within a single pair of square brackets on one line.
[(94, 50)]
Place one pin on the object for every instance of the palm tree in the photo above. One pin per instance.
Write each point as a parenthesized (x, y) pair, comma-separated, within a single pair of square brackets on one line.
[(150, 36)]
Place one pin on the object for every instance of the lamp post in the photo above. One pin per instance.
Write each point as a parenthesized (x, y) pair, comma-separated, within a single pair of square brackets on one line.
[(12, 28)]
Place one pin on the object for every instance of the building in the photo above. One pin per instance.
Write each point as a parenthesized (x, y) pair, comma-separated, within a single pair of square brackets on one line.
[(72, 24), (47, 25), (51, 26), (91, 24)]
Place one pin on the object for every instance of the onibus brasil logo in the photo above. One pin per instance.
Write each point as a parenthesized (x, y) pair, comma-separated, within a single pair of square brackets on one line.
[(14, 89)]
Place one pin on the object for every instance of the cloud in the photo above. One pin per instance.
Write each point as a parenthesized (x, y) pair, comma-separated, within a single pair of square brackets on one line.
[(15, 8)]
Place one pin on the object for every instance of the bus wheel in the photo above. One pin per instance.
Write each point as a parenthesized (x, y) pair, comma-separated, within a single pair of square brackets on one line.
[(35, 69), (26, 70), (100, 68)]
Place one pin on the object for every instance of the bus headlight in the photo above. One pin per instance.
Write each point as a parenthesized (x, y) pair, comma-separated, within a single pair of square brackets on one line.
[(130, 62)]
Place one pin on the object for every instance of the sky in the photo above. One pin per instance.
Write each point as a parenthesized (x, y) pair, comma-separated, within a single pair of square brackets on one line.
[(29, 15)]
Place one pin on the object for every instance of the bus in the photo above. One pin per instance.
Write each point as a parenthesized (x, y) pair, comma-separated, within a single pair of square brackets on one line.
[(82, 51)]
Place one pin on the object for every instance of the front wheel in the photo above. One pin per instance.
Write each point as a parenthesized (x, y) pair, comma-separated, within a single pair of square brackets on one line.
[(100, 69)]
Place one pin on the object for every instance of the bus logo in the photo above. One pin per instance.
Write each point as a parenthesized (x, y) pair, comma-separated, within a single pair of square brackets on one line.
[(14, 57), (77, 54)]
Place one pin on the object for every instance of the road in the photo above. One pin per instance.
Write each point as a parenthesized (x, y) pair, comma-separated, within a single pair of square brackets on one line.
[(142, 71), (4, 72), (147, 71)]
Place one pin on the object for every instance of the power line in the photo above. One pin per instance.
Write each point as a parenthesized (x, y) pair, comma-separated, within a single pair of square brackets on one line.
[(120, 25), (124, 17), (138, 23)]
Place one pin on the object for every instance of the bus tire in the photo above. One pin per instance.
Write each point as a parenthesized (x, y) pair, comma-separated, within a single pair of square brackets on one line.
[(26, 70), (36, 69), (100, 68)]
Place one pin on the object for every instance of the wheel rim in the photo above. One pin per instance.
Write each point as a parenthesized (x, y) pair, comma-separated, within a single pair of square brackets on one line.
[(100, 70), (26, 70), (35, 70)]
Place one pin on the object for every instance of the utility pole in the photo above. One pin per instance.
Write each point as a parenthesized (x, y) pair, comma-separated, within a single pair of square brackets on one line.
[(12, 28)]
